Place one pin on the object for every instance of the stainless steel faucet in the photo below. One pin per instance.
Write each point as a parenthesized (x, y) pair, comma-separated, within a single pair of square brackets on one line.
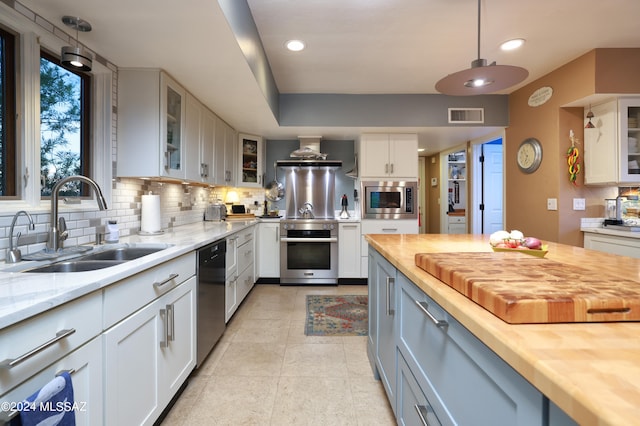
[(58, 231), (15, 255)]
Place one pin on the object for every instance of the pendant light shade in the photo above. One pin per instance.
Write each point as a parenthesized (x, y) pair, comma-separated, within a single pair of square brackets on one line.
[(76, 56), (481, 78)]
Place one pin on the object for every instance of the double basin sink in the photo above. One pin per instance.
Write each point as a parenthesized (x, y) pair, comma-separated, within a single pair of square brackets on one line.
[(100, 259)]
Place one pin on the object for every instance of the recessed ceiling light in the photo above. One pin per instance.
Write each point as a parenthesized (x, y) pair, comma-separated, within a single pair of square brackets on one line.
[(420, 149), (294, 45), (512, 44)]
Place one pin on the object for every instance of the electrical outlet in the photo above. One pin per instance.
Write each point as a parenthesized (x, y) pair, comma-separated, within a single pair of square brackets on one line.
[(579, 204), (552, 204)]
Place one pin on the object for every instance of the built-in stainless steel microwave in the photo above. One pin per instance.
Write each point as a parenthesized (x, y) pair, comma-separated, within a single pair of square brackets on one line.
[(389, 200)]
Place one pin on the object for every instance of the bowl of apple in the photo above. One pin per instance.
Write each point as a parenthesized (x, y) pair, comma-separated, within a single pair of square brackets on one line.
[(516, 241)]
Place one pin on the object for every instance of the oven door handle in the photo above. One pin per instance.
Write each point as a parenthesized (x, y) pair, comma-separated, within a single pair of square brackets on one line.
[(309, 240)]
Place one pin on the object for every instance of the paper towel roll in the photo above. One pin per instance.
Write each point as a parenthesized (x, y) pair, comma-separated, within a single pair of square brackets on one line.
[(150, 214)]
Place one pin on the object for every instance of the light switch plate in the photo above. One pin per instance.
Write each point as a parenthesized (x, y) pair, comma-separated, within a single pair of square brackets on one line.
[(579, 204), (552, 204), (434, 181)]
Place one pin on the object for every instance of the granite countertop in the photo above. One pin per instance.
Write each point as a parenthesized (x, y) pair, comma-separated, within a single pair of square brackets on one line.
[(23, 295), (590, 370)]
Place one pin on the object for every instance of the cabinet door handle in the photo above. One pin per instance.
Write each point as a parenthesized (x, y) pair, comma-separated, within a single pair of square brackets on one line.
[(165, 320), (171, 319), (10, 363), (167, 160), (390, 281), (158, 284), (391, 168), (423, 413), (424, 307), (386, 168)]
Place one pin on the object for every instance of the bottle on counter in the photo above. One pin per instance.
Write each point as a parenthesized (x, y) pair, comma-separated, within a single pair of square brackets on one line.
[(112, 234)]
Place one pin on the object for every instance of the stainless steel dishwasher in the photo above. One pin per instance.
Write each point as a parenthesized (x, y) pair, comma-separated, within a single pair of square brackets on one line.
[(211, 276)]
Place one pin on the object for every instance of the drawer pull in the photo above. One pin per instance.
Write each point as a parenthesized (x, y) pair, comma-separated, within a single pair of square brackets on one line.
[(426, 412), (390, 281), (424, 307), (9, 363), (389, 229), (163, 282)]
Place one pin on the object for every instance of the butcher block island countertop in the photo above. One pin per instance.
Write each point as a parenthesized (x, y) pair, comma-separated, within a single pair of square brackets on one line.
[(589, 369)]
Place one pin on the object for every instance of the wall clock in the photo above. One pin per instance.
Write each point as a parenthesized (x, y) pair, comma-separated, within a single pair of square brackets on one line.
[(529, 155)]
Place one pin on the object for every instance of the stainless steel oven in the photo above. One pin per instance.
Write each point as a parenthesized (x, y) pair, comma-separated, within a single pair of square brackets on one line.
[(309, 251), (389, 200)]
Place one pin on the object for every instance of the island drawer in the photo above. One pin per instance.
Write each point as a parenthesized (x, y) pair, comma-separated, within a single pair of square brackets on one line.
[(44, 339), (472, 382), (245, 255), (127, 296)]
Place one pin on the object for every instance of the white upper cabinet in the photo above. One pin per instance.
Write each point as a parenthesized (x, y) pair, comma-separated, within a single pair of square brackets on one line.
[(251, 155), (629, 115), (601, 145), (611, 149), (225, 149), (199, 140), (151, 124), (388, 155)]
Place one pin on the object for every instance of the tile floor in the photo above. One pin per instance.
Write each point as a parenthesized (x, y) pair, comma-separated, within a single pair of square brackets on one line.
[(265, 371)]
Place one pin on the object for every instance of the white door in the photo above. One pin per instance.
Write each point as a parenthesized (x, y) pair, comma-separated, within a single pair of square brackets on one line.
[(493, 191)]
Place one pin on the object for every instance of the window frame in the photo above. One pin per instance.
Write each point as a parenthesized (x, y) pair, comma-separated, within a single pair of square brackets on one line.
[(9, 116), (32, 37), (86, 143)]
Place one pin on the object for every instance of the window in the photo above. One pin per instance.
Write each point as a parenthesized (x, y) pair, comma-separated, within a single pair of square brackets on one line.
[(64, 126), (7, 115)]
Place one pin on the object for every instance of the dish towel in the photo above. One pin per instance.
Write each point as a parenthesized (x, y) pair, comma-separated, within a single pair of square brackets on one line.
[(51, 405)]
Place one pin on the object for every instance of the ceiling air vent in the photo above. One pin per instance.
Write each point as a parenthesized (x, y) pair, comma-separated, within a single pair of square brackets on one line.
[(466, 115)]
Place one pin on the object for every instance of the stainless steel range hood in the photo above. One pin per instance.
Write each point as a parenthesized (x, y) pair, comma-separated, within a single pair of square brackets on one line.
[(309, 155)]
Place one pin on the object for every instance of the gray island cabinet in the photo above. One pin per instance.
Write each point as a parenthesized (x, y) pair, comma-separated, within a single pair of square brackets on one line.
[(435, 371)]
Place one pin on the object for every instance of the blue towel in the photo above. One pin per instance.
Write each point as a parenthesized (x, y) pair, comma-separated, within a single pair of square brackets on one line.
[(51, 405)]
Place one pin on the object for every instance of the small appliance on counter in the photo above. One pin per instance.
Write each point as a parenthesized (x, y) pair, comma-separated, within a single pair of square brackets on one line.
[(215, 212), (344, 214)]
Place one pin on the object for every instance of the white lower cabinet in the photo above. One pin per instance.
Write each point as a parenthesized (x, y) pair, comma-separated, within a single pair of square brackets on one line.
[(349, 251), (382, 226), (149, 355), (444, 374), (85, 367), (240, 271), (268, 249), (457, 224), (624, 246)]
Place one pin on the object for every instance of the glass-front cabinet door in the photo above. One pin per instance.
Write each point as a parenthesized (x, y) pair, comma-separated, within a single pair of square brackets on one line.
[(173, 116), (251, 153), (629, 113)]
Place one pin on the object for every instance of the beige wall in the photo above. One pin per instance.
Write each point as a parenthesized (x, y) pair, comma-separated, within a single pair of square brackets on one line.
[(599, 71), (432, 194)]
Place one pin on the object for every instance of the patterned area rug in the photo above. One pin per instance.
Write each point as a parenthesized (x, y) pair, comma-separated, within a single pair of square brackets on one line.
[(336, 316)]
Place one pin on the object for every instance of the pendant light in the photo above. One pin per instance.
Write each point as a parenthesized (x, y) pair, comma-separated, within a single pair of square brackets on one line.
[(481, 78), (76, 56)]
